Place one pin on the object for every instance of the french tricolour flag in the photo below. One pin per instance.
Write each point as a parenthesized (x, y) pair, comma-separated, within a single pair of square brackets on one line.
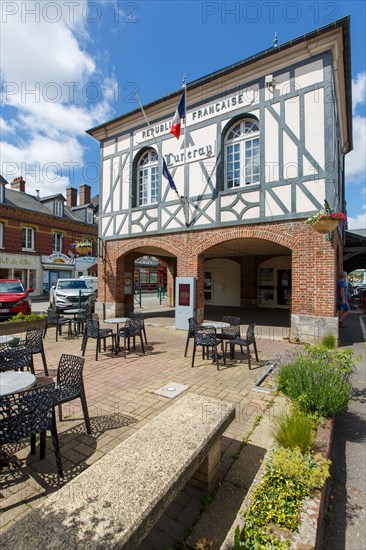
[(180, 114), (168, 176)]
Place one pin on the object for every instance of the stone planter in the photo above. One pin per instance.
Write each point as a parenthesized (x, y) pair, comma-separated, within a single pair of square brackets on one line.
[(324, 226), (310, 531), (21, 327)]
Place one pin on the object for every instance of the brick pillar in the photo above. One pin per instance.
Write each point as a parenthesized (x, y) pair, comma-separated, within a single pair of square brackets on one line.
[(170, 280), (314, 266)]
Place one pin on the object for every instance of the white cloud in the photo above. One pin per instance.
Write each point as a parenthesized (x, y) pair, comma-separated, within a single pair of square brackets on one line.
[(358, 90), (355, 160), (53, 85), (359, 222)]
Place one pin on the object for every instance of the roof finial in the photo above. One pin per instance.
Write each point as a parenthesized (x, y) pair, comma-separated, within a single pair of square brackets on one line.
[(275, 40)]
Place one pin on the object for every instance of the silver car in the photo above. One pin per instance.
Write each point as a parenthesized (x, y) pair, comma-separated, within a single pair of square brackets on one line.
[(71, 293)]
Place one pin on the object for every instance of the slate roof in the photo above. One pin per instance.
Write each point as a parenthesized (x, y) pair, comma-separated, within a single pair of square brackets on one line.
[(31, 203)]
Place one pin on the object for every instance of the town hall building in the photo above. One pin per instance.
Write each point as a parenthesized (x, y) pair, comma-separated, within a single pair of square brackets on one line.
[(262, 148)]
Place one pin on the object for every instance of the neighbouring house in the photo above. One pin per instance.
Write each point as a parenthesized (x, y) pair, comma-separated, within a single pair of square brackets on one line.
[(263, 148), (37, 234)]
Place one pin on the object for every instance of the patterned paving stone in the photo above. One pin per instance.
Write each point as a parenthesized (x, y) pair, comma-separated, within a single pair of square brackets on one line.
[(121, 400)]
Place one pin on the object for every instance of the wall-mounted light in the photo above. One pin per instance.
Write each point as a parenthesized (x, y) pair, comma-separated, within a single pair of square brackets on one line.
[(269, 82)]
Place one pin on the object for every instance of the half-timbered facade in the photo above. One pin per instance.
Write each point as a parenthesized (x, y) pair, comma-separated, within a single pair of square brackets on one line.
[(263, 147)]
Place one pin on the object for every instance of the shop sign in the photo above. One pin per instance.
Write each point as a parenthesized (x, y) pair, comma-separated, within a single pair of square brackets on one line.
[(57, 259), (224, 104), (87, 259)]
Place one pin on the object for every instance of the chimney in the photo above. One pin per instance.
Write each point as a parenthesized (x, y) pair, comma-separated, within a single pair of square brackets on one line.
[(71, 197), (18, 184), (37, 194), (85, 191)]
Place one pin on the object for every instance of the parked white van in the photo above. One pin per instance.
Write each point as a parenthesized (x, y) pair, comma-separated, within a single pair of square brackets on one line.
[(92, 282)]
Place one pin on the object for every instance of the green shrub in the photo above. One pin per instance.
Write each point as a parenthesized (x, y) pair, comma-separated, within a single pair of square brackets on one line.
[(328, 341), (317, 380), (29, 317), (294, 429), (343, 360), (288, 479)]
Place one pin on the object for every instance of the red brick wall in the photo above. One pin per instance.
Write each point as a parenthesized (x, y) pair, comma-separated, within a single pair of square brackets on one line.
[(44, 227), (313, 260)]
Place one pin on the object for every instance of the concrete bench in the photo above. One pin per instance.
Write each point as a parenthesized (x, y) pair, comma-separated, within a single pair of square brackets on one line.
[(117, 500)]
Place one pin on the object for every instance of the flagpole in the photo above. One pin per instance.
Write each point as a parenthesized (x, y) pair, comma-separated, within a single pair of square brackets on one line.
[(185, 182), (181, 198)]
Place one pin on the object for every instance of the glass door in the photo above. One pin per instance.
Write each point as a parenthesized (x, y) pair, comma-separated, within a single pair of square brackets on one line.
[(266, 286), (284, 287), (207, 287)]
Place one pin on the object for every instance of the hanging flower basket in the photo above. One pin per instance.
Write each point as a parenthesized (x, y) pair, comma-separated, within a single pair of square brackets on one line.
[(82, 247), (326, 220), (324, 226)]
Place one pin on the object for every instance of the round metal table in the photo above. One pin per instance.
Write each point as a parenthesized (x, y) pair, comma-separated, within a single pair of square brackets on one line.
[(4, 339), (116, 321), (14, 381), (217, 324)]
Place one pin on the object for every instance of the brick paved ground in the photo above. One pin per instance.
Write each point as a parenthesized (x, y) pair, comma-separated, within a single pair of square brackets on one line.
[(121, 400)]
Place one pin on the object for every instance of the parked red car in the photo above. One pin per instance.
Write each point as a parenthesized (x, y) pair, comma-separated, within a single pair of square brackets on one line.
[(14, 298)]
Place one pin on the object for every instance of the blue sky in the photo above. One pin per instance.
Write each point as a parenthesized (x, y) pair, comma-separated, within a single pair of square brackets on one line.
[(70, 65)]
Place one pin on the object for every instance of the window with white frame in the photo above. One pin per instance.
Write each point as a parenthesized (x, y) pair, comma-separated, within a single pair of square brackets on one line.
[(147, 178), (1, 235), (57, 242), (242, 154), (58, 208), (89, 216), (144, 275), (28, 238)]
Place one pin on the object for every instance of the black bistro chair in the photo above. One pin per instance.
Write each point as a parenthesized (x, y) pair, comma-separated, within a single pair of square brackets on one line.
[(132, 329), (81, 319), (16, 357), (54, 319), (140, 316), (34, 341), (92, 330), (70, 385), (207, 339), (192, 324), (229, 333), (247, 341), (28, 413)]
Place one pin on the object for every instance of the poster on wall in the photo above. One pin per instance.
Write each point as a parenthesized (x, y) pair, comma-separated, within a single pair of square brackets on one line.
[(128, 283), (184, 295)]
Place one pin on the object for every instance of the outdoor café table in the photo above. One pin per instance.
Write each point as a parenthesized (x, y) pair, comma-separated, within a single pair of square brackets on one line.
[(14, 381), (219, 325), (116, 321), (4, 339), (75, 312)]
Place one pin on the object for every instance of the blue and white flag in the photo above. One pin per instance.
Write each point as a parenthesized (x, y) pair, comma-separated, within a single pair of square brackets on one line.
[(168, 176)]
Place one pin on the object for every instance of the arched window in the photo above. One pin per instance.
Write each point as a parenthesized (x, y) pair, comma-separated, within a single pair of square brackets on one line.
[(242, 154), (147, 178)]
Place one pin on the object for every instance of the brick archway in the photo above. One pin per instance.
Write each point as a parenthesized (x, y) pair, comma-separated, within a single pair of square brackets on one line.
[(313, 292)]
